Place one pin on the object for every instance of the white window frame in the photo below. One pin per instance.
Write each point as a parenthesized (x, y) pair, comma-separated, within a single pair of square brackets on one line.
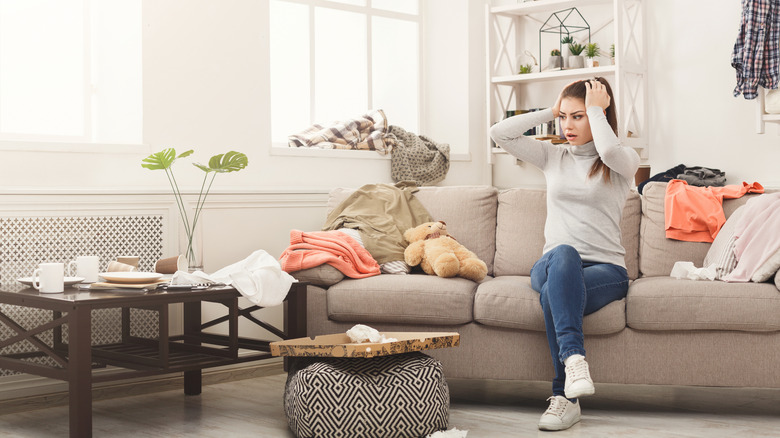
[(83, 143), (283, 149)]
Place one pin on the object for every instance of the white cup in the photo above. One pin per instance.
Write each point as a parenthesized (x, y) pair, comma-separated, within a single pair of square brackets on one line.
[(52, 278), (86, 267)]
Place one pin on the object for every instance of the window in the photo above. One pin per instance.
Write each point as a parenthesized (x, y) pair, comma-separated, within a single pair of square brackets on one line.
[(336, 60), (70, 71)]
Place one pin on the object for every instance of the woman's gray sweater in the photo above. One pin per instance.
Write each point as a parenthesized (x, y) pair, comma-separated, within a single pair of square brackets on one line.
[(582, 212)]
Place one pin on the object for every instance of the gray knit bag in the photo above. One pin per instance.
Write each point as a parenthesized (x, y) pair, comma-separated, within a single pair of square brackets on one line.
[(418, 158)]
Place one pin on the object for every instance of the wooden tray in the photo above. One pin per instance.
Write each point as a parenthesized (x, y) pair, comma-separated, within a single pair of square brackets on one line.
[(339, 345)]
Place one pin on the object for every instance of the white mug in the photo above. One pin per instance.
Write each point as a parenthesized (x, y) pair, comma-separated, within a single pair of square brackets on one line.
[(86, 267), (52, 277)]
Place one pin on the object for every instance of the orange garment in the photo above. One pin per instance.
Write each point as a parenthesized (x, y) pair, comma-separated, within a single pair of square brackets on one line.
[(310, 249), (695, 214)]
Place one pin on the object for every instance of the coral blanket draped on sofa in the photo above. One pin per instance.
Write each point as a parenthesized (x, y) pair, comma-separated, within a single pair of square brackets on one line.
[(310, 249)]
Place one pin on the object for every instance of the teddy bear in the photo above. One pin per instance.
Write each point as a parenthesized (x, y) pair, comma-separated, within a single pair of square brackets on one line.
[(438, 253)]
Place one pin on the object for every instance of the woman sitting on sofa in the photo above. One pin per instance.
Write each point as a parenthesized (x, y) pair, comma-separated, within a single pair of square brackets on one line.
[(582, 268)]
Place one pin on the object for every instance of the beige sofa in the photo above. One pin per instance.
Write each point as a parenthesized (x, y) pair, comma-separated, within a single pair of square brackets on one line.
[(667, 331)]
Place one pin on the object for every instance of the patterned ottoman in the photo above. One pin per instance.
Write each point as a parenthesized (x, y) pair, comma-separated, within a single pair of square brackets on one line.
[(402, 395)]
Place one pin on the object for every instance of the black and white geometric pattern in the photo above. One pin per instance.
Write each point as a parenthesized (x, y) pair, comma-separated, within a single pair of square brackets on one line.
[(396, 396), (27, 241)]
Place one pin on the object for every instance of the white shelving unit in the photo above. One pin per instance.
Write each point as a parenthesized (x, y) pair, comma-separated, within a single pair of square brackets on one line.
[(505, 26), (762, 118)]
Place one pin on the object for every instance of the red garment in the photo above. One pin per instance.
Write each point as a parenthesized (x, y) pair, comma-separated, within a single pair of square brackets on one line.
[(695, 214), (310, 249)]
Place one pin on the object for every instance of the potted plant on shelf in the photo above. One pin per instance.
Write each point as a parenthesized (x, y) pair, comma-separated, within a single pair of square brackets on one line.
[(575, 60), (526, 68), (222, 163), (565, 53), (612, 53), (556, 60), (591, 52)]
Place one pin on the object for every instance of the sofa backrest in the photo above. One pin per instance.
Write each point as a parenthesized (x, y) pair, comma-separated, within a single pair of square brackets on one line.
[(469, 211), (657, 254), (520, 231)]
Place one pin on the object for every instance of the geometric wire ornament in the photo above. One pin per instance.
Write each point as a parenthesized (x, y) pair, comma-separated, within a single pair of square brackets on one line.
[(26, 242)]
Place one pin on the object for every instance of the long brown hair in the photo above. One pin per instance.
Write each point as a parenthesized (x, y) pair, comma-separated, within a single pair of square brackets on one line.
[(577, 90)]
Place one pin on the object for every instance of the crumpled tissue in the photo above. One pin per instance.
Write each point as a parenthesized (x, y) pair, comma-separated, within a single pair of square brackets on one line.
[(452, 433), (362, 333), (690, 271), (197, 277), (258, 277)]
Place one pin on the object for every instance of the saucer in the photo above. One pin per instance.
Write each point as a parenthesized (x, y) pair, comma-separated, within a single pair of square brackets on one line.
[(129, 277), (69, 281)]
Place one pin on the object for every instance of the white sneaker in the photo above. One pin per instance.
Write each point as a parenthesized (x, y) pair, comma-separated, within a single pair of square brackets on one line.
[(562, 414), (578, 381)]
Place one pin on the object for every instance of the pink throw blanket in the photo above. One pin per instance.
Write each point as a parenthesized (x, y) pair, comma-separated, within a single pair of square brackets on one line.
[(310, 249)]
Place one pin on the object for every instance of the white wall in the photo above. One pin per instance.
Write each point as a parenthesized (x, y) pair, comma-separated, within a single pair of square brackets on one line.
[(695, 118)]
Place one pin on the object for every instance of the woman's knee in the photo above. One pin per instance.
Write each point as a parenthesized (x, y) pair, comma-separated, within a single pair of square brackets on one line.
[(565, 254)]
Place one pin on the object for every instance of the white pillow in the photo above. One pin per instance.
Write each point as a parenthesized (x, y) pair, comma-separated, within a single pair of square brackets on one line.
[(721, 252), (767, 270)]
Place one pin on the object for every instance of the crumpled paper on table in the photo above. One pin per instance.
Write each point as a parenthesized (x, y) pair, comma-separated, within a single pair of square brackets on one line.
[(688, 270), (197, 277), (452, 433), (362, 333)]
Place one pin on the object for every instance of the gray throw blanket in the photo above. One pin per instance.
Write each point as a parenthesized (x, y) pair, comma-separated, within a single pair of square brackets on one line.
[(417, 158)]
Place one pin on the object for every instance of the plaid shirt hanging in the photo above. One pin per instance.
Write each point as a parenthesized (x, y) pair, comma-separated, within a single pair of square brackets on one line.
[(756, 55)]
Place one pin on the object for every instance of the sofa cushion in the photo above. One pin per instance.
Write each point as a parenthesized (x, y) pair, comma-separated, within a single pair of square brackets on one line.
[(520, 231), (404, 299), (469, 211), (665, 303), (657, 254), (510, 302)]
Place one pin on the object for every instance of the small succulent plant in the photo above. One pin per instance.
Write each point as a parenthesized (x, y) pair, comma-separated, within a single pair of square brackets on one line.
[(576, 48)]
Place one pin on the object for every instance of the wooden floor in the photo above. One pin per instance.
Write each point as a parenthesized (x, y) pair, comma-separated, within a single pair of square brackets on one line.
[(253, 408)]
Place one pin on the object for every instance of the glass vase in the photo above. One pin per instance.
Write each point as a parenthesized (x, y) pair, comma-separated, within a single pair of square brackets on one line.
[(194, 251)]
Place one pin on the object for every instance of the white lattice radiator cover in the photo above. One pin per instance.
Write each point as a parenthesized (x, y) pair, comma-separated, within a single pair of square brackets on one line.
[(27, 241)]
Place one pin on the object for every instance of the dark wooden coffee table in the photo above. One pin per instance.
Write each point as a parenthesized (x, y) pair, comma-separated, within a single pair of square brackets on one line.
[(135, 356)]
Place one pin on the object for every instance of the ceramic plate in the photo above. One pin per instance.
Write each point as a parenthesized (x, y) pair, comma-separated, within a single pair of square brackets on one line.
[(131, 277), (69, 281)]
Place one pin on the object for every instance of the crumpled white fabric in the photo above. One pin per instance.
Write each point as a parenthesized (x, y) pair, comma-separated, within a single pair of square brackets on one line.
[(258, 277), (362, 333), (197, 277), (691, 272), (452, 433)]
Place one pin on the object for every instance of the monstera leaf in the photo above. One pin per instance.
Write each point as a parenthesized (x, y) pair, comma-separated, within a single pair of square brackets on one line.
[(225, 163), (164, 159)]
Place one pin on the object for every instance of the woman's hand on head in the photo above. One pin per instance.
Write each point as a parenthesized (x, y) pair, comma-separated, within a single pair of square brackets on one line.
[(556, 109), (596, 95)]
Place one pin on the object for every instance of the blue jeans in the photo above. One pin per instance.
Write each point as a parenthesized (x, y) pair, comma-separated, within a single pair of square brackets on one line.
[(568, 290)]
